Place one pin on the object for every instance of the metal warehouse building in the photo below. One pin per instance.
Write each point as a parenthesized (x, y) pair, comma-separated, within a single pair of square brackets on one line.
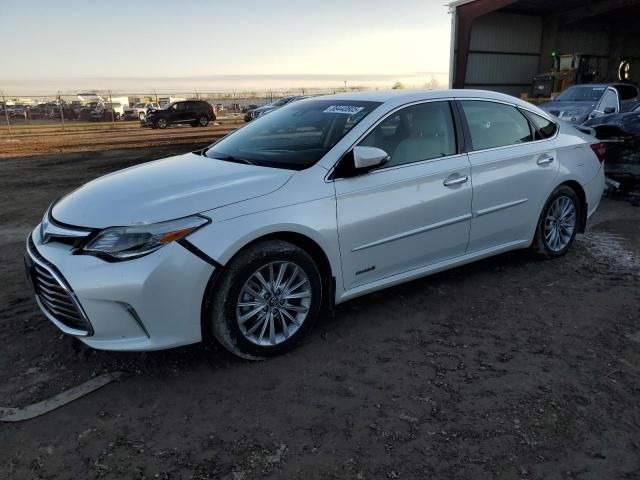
[(502, 44)]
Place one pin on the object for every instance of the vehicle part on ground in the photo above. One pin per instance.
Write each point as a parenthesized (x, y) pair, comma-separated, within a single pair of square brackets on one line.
[(13, 414)]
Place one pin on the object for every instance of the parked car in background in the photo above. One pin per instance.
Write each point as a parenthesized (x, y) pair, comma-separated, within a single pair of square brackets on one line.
[(139, 110), (196, 113), (107, 111), (319, 202), (621, 133), (84, 113), (580, 102), (281, 102)]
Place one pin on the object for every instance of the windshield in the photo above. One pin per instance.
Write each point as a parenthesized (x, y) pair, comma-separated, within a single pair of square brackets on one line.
[(581, 94), (139, 105), (295, 136), (168, 106)]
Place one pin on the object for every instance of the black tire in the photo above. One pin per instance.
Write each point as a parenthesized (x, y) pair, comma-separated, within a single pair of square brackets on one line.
[(162, 123), (540, 246), (222, 317), (203, 121), (194, 124)]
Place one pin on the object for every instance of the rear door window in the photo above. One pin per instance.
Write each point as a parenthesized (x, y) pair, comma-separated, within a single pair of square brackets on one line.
[(493, 125)]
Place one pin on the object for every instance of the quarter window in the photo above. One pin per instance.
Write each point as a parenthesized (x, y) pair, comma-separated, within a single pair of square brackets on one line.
[(495, 125), (416, 133), (546, 128)]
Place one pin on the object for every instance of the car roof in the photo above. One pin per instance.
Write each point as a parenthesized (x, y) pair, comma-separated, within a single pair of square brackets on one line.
[(396, 98)]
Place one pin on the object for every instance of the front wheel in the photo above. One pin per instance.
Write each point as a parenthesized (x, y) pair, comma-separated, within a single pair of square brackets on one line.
[(266, 301), (162, 123), (558, 224)]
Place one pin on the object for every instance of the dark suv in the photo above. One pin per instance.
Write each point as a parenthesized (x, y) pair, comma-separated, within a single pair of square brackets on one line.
[(196, 113)]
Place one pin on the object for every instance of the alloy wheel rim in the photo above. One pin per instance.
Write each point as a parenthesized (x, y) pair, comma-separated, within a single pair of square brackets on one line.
[(560, 224), (203, 121), (273, 303), (162, 123)]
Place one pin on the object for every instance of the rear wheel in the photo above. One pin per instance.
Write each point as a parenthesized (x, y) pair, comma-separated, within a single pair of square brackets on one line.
[(558, 224), (203, 121), (267, 300)]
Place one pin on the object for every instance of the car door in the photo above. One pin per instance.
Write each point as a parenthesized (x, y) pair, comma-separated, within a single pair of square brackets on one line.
[(413, 211), (179, 112), (513, 170)]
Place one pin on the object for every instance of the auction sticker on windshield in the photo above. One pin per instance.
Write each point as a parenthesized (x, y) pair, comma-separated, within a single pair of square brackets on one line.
[(347, 109)]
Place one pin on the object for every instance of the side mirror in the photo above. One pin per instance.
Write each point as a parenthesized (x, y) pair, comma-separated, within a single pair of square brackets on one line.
[(609, 110), (369, 157)]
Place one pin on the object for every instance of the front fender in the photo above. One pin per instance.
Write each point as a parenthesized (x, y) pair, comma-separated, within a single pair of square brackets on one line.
[(315, 219)]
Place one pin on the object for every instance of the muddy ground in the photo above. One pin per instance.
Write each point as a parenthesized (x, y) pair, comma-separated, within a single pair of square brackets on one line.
[(509, 368)]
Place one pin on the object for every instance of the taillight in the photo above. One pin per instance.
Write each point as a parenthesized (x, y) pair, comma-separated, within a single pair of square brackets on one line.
[(600, 149)]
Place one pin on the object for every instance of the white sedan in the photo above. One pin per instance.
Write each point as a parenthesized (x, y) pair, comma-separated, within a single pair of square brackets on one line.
[(323, 200)]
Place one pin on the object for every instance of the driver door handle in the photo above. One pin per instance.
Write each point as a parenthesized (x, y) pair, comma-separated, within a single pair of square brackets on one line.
[(450, 182)]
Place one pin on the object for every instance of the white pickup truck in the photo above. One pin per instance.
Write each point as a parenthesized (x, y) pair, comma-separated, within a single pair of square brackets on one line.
[(139, 110)]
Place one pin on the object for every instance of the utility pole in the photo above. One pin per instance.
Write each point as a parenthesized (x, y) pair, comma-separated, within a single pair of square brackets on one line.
[(6, 114), (61, 110), (345, 85), (113, 113)]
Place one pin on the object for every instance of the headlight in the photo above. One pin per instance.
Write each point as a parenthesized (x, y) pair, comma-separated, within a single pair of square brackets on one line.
[(572, 113), (122, 243)]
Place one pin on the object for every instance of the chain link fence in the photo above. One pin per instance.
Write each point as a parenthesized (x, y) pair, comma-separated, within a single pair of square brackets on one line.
[(68, 109)]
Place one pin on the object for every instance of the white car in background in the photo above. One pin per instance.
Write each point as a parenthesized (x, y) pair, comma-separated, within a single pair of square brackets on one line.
[(317, 203), (139, 110)]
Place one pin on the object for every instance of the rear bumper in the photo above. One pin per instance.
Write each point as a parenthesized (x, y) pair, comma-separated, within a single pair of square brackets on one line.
[(149, 303)]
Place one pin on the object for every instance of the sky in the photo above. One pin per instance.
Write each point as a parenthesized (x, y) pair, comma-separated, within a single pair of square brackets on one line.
[(219, 45)]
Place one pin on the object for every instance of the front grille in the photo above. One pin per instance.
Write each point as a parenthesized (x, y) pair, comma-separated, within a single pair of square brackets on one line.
[(54, 294)]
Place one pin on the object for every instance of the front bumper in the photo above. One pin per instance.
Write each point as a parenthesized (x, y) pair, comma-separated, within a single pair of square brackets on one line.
[(149, 303), (147, 122)]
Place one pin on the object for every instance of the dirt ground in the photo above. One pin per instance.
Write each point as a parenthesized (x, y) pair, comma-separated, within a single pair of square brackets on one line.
[(509, 368), (38, 139)]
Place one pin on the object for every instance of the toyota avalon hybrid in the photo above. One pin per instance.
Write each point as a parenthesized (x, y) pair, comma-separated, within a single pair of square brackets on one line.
[(326, 199)]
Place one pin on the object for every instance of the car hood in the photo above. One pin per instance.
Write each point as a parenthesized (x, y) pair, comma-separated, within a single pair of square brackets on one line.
[(165, 190), (561, 106)]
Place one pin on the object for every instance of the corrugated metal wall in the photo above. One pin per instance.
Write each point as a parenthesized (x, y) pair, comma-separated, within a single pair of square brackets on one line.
[(504, 52)]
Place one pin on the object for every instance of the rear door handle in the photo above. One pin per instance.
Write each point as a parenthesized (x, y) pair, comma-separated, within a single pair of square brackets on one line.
[(545, 160), (450, 182)]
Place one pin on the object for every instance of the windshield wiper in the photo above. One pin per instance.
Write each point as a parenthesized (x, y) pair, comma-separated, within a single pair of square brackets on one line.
[(231, 158)]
